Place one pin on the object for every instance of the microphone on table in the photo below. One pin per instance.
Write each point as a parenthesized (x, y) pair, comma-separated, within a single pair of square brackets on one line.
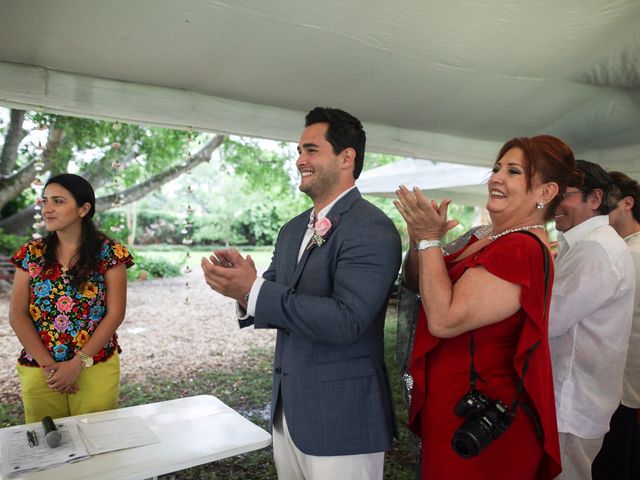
[(51, 434)]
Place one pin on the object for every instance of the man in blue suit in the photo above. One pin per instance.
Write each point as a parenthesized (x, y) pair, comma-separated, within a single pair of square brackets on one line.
[(326, 292)]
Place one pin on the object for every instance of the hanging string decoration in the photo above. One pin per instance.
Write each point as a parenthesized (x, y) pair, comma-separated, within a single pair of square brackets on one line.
[(36, 185), (117, 183)]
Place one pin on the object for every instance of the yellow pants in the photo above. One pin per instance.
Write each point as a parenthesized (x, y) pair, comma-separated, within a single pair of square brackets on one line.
[(98, 388)]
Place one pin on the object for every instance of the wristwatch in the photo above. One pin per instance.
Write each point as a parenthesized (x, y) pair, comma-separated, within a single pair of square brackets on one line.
[(85, 360), (424, 244)]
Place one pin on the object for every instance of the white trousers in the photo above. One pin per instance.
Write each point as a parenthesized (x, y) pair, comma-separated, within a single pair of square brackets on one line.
[(292, 464), (577, 456)]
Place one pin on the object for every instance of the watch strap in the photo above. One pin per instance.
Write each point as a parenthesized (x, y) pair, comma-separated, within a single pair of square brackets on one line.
[(85, 360), (425, 244)]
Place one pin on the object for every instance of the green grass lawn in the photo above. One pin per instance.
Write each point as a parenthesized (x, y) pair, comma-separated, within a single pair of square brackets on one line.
[(178, 254), (247, 389)]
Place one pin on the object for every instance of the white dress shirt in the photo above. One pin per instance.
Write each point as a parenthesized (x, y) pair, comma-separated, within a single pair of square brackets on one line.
[(589, 325), (257, 284), (631, 386)]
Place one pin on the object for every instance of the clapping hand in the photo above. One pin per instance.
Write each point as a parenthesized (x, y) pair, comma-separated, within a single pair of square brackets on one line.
[(426, 220), (229, 273)]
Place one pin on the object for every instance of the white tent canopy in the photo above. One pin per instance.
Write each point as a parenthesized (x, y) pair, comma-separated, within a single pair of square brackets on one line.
[(447, 81), (465, 184)]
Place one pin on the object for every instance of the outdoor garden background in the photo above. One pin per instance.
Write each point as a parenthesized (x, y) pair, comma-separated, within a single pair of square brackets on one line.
[(172, 196)]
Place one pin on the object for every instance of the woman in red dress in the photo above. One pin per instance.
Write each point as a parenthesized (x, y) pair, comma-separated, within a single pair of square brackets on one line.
[(482, 398)]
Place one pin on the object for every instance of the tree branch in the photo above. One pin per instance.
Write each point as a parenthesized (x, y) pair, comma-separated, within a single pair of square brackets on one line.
[(13, 185), (20, 221), (138, 191), (13, 137)]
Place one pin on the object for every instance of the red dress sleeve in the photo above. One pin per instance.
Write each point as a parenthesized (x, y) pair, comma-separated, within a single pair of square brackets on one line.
[(517, 258)]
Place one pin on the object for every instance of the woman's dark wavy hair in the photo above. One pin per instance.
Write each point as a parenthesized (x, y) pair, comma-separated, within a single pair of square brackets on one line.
[(549, 158), (92, 239)]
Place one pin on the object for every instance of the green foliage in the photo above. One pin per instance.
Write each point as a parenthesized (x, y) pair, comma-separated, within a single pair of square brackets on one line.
[(113, 223), (261, 168), (11, 411), (153, 267), (467, 218), (400, 461), (464, 214), (94, 145), (158, 226), (241, 206), (10, 244), (25, 199), (258, 225)]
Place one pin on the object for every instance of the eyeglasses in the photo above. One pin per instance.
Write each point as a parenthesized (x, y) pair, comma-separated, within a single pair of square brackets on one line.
[(566, 194)]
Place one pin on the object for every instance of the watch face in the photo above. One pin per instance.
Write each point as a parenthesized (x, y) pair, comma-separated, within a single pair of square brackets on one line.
[(424, 244), (86, 361)]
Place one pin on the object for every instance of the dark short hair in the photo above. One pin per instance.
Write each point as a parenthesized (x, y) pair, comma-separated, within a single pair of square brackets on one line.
[(344, 131), (627, 187), (549, 158), (81, 190), (595, 177)]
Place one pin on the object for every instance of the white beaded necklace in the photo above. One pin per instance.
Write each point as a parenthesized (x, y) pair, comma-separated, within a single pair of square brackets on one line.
[(511, 230)]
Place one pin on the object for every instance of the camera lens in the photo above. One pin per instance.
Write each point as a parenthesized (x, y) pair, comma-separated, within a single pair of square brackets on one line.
[(479, 430), (471, 438)]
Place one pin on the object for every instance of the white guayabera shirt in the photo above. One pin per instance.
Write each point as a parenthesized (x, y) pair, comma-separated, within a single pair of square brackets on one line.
[(631, 386), (589, 325)]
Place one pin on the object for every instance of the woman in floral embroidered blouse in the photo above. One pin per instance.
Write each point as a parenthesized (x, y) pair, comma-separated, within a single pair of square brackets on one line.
[(68, 299)]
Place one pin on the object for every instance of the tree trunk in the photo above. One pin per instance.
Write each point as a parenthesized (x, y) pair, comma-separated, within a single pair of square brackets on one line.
[(132, 224), (15, 134), (20, 222), (13, 185)]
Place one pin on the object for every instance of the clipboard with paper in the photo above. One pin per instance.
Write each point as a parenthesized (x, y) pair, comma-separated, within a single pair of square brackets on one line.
[(101, 436), (19, 458)]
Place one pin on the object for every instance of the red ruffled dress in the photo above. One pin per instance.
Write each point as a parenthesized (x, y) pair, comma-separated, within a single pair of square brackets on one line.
[(440, 369)]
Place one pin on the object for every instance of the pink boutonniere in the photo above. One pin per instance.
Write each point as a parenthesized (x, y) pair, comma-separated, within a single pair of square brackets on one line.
[(321, 231)]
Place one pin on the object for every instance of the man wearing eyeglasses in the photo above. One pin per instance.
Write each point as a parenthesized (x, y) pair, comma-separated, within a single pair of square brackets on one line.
[(590, 319)]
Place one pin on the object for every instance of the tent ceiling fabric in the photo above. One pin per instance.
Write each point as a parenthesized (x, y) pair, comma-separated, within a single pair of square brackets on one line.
[(447, 81)]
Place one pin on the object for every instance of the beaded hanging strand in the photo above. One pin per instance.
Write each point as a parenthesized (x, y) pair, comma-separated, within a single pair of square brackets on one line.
[(519, 229)]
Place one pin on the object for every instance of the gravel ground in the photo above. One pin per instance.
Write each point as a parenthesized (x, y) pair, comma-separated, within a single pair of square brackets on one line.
[(162, 331)]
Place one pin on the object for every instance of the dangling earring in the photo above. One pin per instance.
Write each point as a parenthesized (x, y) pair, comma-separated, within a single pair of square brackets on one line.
[(540, 205)]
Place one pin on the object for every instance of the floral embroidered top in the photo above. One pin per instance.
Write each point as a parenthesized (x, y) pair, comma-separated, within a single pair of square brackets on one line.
[(64, 316)]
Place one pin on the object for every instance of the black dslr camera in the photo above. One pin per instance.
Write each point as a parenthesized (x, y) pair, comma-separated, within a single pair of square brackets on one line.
[(486, 420)]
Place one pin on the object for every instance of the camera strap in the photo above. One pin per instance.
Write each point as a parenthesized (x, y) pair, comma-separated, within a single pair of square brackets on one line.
[(520, 388), (516, 401), (474, 375)]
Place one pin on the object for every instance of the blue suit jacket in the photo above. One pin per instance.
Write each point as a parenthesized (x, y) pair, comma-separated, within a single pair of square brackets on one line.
[(329, 309)]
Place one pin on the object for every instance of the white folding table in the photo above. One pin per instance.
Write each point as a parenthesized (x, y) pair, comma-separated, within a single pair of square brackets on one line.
[(192, 431)]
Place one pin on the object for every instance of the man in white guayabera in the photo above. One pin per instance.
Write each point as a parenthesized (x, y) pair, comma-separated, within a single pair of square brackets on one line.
[(590, 319)]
